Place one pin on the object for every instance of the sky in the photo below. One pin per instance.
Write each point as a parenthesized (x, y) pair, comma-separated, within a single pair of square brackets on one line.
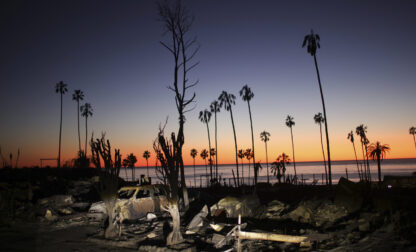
[(111, 51)]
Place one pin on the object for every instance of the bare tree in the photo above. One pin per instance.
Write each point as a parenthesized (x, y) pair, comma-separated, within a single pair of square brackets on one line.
[(167, 152), (177, 23), (108, 185)]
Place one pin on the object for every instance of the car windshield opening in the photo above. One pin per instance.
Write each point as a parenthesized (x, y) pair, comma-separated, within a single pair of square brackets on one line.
[(126, 194)]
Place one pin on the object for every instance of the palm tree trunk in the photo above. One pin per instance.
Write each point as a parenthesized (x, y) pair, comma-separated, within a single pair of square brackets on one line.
[(79, 134), (206, 171), (323, 153), (194, 174), (379, 168), (293, 153), (249, 181), (86, 135), (216, 148), (147, 164), (414, 140), (235, 143), (242, 170), (326, 124), (209, 151), (60, 135), (356, 160), (267, 163), (366, 173), (368, 164), (252, 139)]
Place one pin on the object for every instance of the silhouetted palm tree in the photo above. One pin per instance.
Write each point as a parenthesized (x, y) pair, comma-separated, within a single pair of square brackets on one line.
[(78, 95), (227, 101), (241, 156), (204, 155), (86, 111), (378, 150), (194, 152), (257, 168), (319, 120), (212, 153), (205, 117), (215, 108), (276, 170), (146, 155), (412, 131), (351, 138), (361, 131), (265, 137), (313, 44), (290, 123), (284, 160), (249, 155), (60, 88), (130, 161), (247, 95)]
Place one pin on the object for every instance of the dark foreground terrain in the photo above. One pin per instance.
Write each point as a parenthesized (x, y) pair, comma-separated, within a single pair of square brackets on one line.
[(47, 210)]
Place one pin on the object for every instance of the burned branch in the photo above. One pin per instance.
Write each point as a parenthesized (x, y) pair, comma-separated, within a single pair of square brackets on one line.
[(109, 178)]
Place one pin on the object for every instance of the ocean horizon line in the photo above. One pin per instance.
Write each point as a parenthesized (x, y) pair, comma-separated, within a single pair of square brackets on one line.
[(298, 162)]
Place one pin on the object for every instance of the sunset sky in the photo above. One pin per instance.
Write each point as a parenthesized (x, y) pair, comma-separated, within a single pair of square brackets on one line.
[(111, 51)]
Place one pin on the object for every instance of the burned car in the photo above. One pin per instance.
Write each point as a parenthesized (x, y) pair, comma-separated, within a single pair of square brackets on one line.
[(133, 202)]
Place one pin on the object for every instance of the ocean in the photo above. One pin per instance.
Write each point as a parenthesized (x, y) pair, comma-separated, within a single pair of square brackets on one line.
[(306, 170)]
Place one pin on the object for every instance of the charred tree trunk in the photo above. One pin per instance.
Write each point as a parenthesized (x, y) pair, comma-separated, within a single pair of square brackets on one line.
[(167, 153), (109, 177), (175, 236)]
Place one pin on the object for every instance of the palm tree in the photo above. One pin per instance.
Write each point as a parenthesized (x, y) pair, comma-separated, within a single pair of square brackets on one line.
[(194, 152), (276, 170), (241, 155), (204, 155), (60, 88), (290, 123), (129, 162), (86, 111), (205, 117), (215, 108), (78, 95), (313, 44), (247, 95), (227, 101), (351, 138), (249, 155), (265, 137), (412, 131), (284, 160), (212, 153), (319, 120), (146, 155), (361, 131), (378, 150)]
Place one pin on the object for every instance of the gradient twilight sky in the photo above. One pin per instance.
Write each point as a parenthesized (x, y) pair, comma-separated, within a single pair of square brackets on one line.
[(111, 51)]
